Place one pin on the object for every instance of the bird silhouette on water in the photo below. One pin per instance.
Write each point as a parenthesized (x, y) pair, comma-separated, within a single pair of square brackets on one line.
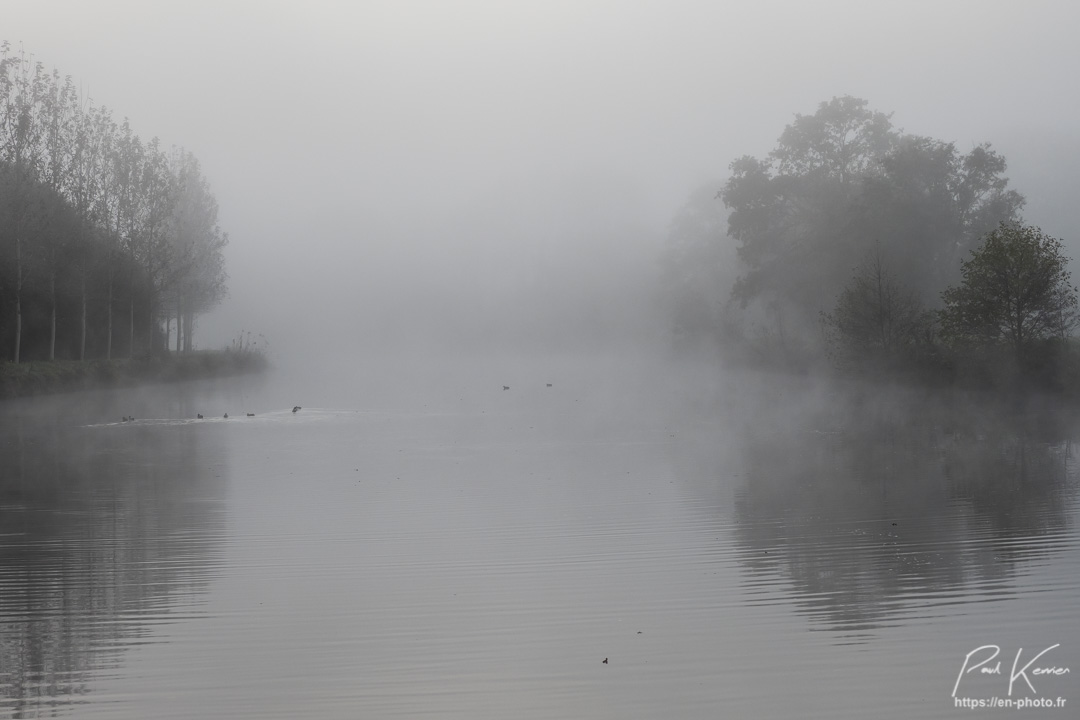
[(506, 387), (297, 408), (199, 415), (251, 414), (226, 416)]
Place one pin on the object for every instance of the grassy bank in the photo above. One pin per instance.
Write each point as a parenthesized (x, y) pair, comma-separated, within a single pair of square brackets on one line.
[(43, 377)]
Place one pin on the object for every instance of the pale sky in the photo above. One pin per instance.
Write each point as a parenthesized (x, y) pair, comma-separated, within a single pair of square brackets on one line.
[(386, 162)]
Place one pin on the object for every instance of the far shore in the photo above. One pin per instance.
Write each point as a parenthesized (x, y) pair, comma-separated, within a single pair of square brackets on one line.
[(45, 377)]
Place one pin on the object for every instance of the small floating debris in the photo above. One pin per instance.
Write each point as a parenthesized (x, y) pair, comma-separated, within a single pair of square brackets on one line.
[(297, 408)]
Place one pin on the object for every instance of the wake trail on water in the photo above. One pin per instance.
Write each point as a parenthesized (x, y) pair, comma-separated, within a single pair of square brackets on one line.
[(275, 416)]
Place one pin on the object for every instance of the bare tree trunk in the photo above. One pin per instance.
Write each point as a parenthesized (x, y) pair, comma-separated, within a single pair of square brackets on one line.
[(18, 297), (82, 323), (152, 327), (52, 316), (189, 327), (109, 322), (179, 324), (150, 281), (131, 325), (18, 325)]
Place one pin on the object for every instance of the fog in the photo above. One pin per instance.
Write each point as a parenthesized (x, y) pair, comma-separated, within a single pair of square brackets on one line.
[(462, 175), (485, 476)]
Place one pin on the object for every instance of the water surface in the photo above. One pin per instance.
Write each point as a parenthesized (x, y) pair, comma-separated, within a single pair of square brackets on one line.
[(458, 550)]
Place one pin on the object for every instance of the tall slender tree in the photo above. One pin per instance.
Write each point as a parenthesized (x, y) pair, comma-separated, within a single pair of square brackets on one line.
[(197, 275), (22, 85), (157, 190), (127, 169), (86, 204), (93, 197), (57, 229)]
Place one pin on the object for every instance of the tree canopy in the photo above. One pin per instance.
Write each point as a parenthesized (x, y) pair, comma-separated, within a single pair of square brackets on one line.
[(1016, 291), (877, 322), (92, 218), (841, 185), (698, 272), (842, 182)]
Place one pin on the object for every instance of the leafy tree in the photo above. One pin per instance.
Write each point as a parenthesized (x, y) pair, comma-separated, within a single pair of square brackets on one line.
[(157, 191), (83, 201), (1016, 291), (842, 183), (877, 322), (840, 142), (790, 214), (22, 86), (56, 242), (92, 196), (196, 280), (928, 207), (698, 271), (126, 168)]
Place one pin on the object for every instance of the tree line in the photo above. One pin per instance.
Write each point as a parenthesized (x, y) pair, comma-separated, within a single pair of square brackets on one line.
[(883, 251), (109, 244)]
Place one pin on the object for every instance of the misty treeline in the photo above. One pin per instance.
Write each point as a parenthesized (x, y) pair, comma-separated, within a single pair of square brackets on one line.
[(107, 242), (857, 246)]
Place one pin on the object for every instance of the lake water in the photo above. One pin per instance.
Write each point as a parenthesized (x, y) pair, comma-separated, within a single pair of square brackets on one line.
[(635, 544)]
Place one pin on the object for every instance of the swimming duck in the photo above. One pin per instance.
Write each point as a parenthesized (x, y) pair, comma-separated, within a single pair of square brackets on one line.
[(297, 408)]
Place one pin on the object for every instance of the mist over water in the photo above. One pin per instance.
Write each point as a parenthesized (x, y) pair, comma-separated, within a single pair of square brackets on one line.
[(512, 484), (427, 541)]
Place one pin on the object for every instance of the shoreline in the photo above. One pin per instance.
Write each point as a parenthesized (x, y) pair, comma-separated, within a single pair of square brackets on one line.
[(51, 377)]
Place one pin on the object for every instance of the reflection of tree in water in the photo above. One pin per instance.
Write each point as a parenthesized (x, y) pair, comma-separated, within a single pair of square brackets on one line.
[(102, 531), (900, 511)]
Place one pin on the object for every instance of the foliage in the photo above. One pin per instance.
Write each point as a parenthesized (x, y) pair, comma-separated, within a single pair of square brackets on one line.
[(698, 271), (1016, 291), (843, 182), (877, 323), (91, 219), (929, 206)]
